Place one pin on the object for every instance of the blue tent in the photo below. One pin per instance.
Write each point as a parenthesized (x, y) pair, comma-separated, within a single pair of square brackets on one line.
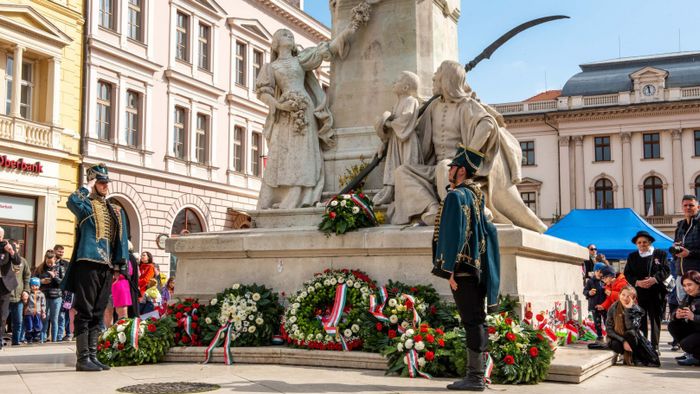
[(611, 230)]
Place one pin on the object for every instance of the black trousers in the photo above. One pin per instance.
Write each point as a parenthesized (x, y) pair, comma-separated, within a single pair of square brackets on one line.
[(654, 308), (93, 286), (470, 298), (599, 321), (618, 346), (4, 313), (686, 335)]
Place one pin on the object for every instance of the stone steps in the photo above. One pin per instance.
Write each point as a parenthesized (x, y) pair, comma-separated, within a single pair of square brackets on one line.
[(571, 364)]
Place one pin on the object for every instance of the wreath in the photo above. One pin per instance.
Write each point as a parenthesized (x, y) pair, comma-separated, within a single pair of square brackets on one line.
[(437, 313), (417, 352), (135, 342), (347, 212), (186, 317), (252, 312), (399, 313), (330, 311)]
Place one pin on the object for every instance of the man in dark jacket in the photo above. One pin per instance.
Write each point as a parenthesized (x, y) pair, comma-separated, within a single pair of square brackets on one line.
[(594, 291), (63, 317), (687, 238), (8, 279), (23, 273)]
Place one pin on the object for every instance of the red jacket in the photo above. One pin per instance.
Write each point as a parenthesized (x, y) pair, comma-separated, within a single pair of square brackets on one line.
[(615, 287), (146, 273)]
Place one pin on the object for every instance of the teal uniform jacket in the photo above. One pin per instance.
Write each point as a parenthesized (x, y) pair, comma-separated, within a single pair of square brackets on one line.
[(465, 242), (95, 242)]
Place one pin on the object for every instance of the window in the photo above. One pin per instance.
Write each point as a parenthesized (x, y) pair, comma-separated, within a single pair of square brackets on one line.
[(188, 220), (182, 37), (652, 147), (104, 111), (257, 62), (106, 14), (696, 135), (697, 187), (653, 196), (179, 133), (204, 46), (201, 139), (26, 89), (131, 131), (528, 148), (135, 22), (256, 155), (604, 194), (241, 50), (602, 148), (530, 199), (238, 139)]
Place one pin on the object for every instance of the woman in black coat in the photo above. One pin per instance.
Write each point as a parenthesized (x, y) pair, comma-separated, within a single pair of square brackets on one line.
[(685, 323), (646, 270)]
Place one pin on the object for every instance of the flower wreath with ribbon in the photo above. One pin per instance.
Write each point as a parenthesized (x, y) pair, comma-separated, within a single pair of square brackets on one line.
[(242, 315), (416, 352), (347, 212), (329, 312), (187, 315), (135, 341), (393, 316)]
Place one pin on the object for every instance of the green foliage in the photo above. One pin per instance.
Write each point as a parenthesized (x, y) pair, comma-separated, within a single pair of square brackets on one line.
[(347, 212), (116, 349), (351, 172), (438, 313)]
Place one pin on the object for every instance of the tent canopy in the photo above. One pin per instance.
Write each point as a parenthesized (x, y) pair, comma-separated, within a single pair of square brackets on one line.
[(611, 230)]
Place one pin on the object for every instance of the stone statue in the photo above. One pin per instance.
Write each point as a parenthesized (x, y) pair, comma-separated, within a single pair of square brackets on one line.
[(458, 117), (299, 122), (396, 129)]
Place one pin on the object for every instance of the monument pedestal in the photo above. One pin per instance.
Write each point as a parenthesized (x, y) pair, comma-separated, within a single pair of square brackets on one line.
[(535, 268)]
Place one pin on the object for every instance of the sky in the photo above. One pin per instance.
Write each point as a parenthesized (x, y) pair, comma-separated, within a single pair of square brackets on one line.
[(546, 56)]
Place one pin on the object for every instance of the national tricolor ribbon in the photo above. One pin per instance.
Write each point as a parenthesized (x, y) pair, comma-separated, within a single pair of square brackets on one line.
[(186, 323), (489, 368), (135, 328), (412, 300), (414, 367), (377, 308), (331, 325), (364, 207), (215, 342)]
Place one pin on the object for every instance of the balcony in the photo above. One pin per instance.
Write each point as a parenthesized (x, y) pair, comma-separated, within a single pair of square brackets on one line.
[(526, 107), (28, 132)]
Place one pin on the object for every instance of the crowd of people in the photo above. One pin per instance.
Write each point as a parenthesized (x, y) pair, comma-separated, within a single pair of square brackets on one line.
[(39, 311), (629, 306)]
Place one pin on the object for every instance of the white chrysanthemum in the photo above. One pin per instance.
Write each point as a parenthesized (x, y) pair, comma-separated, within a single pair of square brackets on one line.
[(422, 307), (357, 285), (327, 282), (420, 346), (409, 344), (349, 282), (310, 289), (256, 297), (346, 196), (355, 328), (343, 203), (347, 333), (213, 301), (121, 337), (293, 319), (334, 282), (392, 303), (251, 329), (296, 305), (405, 359), (328, 338), (104, 335), (403, 337), (245, 323), (207, 320), (319, 336), (355, 210), (259, 321), (121, 327), (393, 319), (341, 279), (236, 286), (421, 362), (410, 332), (334, 203), (399, 347), (303, 294), (310, 337), (318, 285), (292, 311), (404, 325)]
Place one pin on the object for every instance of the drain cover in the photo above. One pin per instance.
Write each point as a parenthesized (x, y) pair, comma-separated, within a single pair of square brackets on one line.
[(169, 388)]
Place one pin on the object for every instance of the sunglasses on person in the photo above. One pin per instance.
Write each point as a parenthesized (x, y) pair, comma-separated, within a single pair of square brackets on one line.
[(592, 249)]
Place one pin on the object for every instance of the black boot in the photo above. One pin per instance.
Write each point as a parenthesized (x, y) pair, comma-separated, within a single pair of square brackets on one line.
[(474, 381), (94, 335), (83, 354)]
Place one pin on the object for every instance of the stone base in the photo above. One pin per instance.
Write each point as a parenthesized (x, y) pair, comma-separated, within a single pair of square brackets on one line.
[(576, 363), (535, 268)]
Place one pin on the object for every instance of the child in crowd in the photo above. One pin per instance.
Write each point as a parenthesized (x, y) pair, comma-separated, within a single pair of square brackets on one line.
[(595, 294), (622, 323), (614, 282), (151, 297), (34, 311)]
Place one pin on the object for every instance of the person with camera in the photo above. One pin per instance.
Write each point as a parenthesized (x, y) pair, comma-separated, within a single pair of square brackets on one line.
[(100, 255), (646, 270), (686, 242), (50, 274), (589, 264), (9, 259), (23, 273), (685, 323)]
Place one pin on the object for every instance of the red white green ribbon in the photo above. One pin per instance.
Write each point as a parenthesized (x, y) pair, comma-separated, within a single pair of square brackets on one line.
[(364, 207), (377, 308), (135, 327), (551, 335), (331, 325), (489, 368), (215, 342), (571, 333), (187, 323), (414, 367), (412, 300), (228, 357)]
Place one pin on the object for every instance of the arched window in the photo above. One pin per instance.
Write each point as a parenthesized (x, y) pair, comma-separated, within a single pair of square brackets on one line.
[(653, 196), (187, 221), (604, 194), (697, 187)]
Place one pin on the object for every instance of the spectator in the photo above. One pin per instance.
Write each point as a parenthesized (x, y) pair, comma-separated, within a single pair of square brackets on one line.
[(646, 270), (614, 282), (50, 275), (595, 293), (34, 311), (685, 323), (23, 273), (687, 238), (134, 282), (121, 288), (151, 297), (168, 291), (588, 264), (63, 316), (147, 270), (672, 299), (622, 323), (8, 280)]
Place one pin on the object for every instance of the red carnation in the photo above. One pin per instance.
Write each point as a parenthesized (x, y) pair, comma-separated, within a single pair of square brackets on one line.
[(509, 321), (195, 305), (429, 356), (418, 338), (331, 215), (508, 359), (188, 309), (409, 304), (441, 342), (185, 339), (439, 331), (503, 313), (510, 336), (151, 328), (539, 317), (492, 330), (178, 315), (423, 329), (120, 346), (195, 317), (392, 334), (108, 343), (528, 315), (433, 310), (540, 337), (534, 352), (380, 326), (194, 325), (414, 289), (99, 347), (178, 306), (121, 321), (430, 338)]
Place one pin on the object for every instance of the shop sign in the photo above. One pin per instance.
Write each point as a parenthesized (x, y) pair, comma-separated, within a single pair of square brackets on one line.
[(17, 208), (21, 165)]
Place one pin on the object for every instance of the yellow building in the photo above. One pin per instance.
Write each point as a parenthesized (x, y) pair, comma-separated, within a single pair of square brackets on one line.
[(41, 58)]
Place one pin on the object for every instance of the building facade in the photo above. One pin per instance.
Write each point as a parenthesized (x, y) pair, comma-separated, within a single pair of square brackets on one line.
[(621, 133), (41, 48), (171, 107)]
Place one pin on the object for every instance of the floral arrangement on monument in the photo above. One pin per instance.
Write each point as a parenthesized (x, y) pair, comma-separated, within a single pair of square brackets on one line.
[(416, 352), (187, 319), (558, 327), (438, 312), (347, 212), (135, 342), (242, 315), (393, 316), (298, 112), (329, 311)]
